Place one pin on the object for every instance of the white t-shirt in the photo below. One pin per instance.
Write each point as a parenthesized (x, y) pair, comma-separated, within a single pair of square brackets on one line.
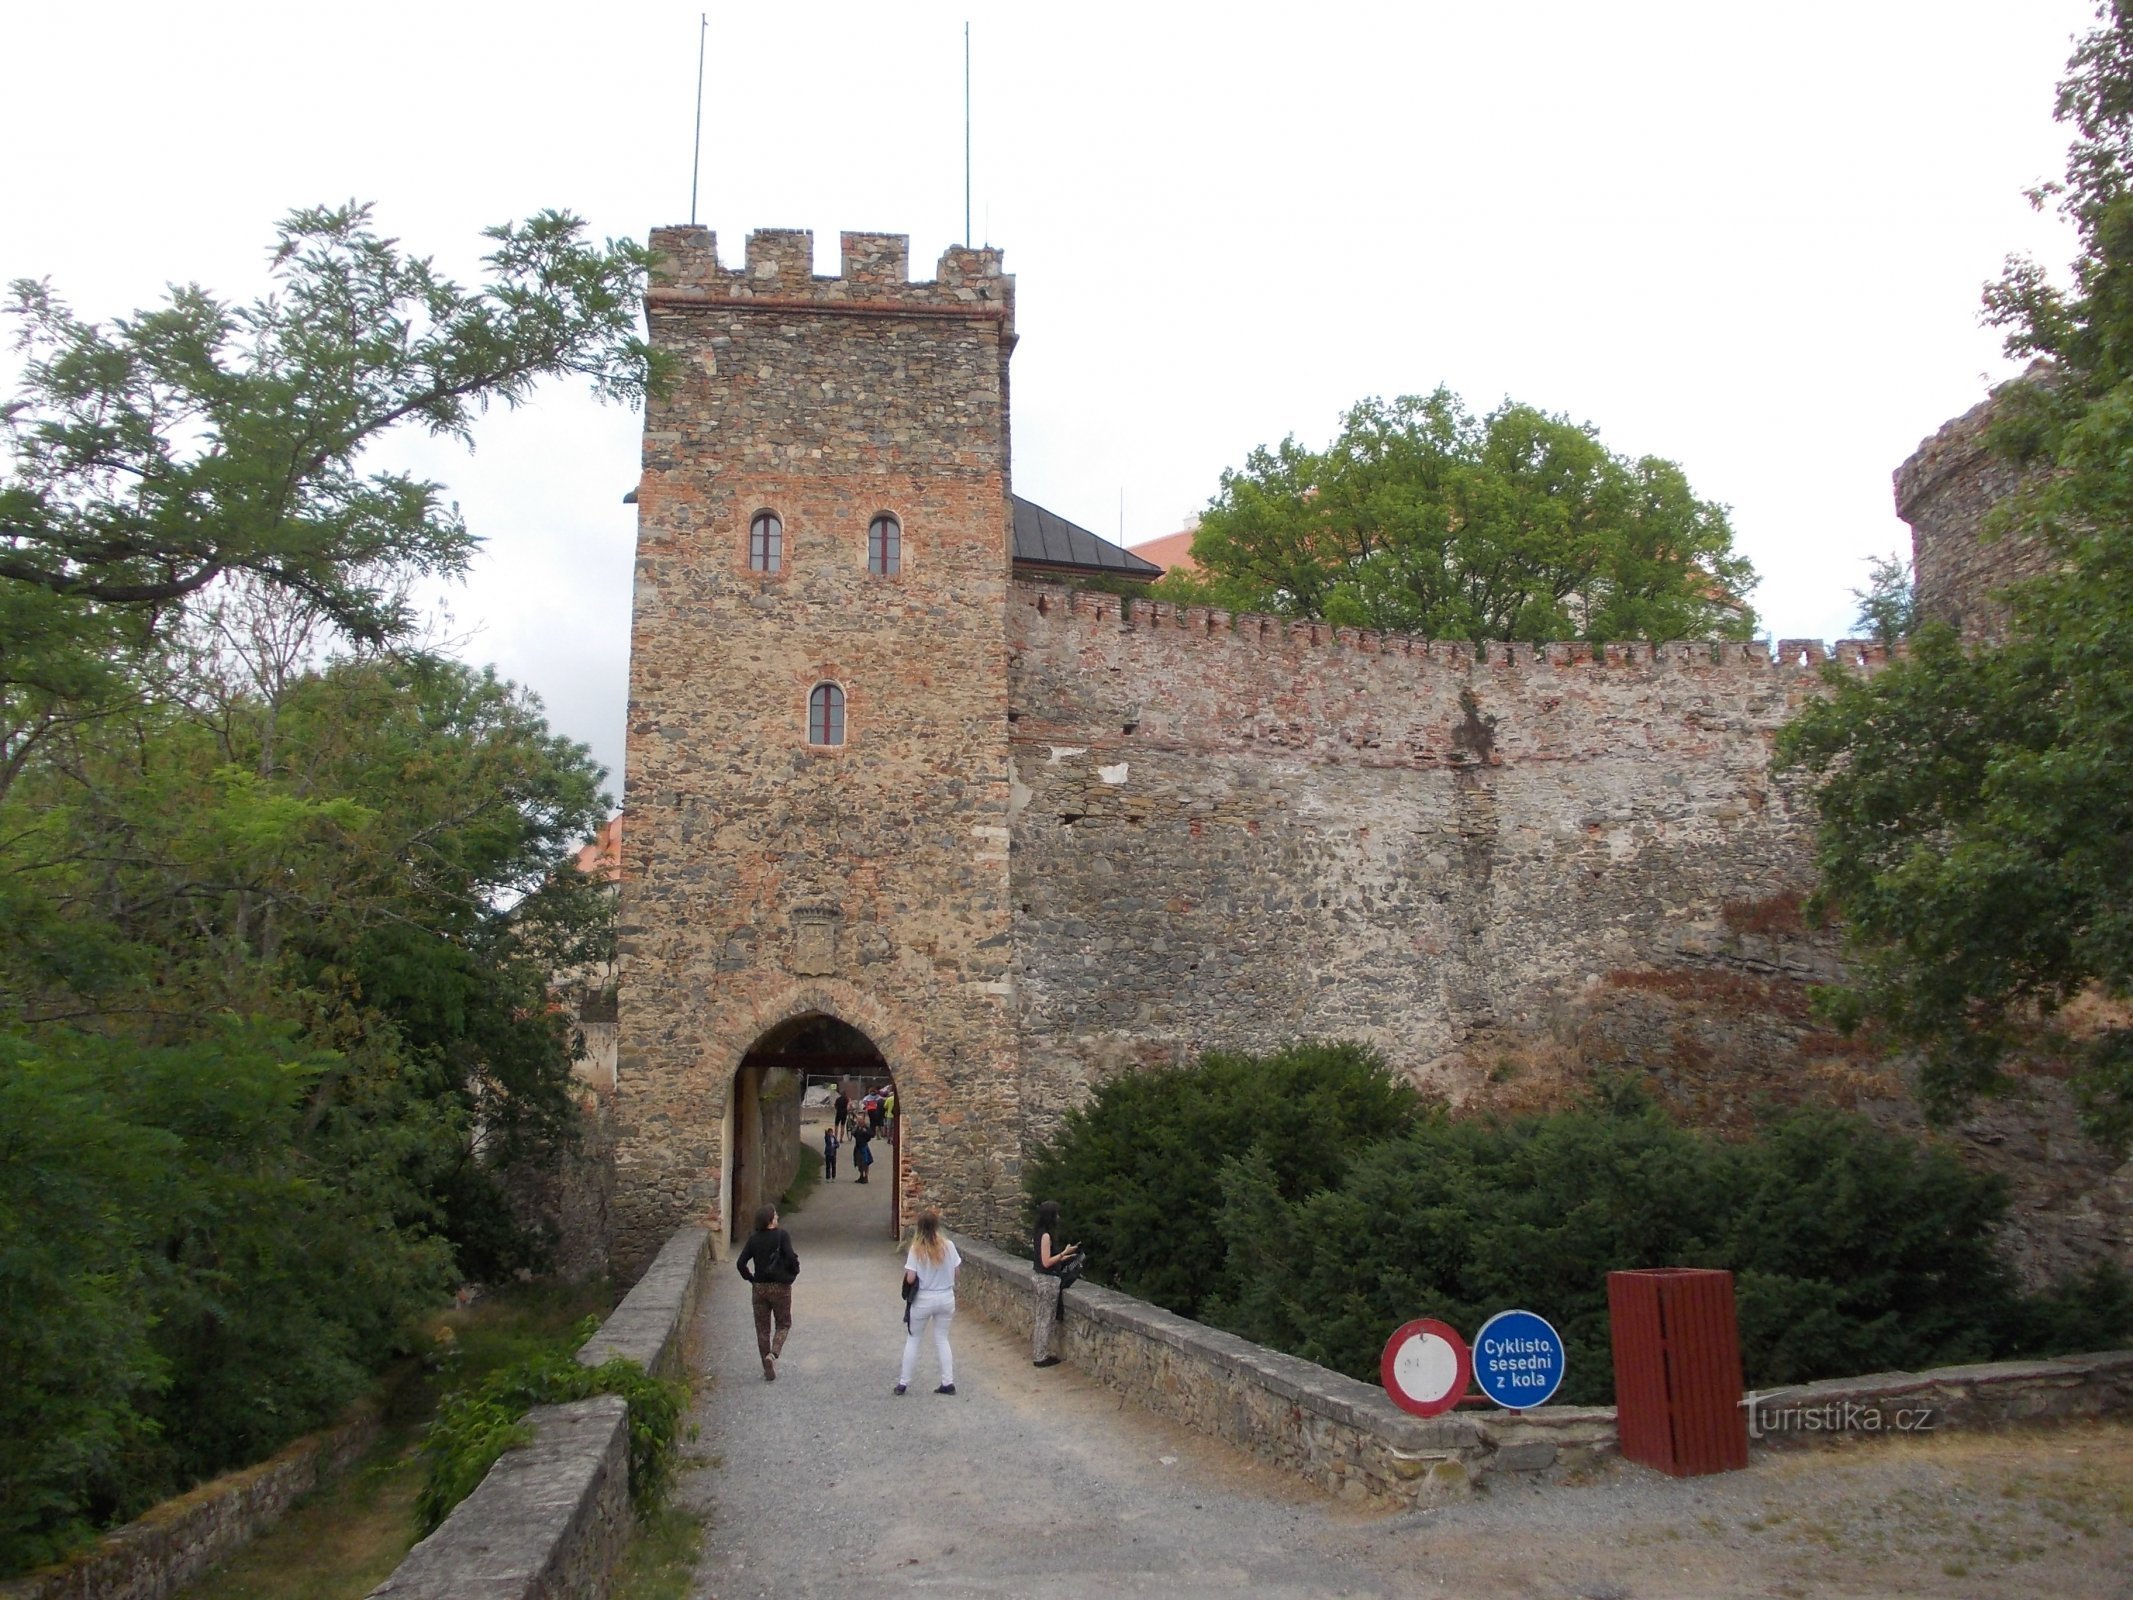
[(935, 1279)]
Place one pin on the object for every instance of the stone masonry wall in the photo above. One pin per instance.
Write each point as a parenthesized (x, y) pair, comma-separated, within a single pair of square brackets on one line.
[(551, 1518), (166, 1548), (1944, 491), (1335, 1432), (1236, 831), (766, 879)]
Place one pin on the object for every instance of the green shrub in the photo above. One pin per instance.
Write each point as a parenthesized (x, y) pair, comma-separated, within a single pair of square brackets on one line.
[(476, 1425), (1853, 1249), (1459, 1220), (1298, 1202), (197, 1264), (1137, 1171)]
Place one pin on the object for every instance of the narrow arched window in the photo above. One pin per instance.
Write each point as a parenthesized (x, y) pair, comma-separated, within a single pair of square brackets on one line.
[(766, 542), (885, 546), (825, 715)]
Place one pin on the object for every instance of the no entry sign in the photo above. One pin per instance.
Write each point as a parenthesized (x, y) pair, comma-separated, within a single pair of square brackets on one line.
[(1518, 1360), (1425, 1367)]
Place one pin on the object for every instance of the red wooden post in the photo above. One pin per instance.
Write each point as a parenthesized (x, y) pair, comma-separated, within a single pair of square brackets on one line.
[(1677, 1370)]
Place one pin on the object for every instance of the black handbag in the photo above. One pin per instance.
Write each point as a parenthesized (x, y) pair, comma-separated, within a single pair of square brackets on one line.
[(910, 1294)]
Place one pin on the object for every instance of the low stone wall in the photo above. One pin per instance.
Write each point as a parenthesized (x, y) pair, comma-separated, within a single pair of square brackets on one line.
[(1989, 1395), (651, 1324), (162, 1551), (547, 1523), (1332, 1430), (1349, 1439), (550, 1519)]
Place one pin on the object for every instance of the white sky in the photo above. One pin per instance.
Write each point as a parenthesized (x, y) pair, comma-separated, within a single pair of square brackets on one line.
[(1748, 238)]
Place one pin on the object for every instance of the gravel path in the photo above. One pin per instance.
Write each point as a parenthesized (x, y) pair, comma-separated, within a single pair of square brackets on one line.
[(1021, 1483), (1043, 1484)]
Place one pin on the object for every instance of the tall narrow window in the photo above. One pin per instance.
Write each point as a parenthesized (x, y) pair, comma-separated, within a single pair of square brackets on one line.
[(766, 542), (825, 715), (885, 545)]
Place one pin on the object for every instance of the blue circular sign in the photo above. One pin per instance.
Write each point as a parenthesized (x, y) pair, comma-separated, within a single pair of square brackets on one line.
[(1518, 1360)]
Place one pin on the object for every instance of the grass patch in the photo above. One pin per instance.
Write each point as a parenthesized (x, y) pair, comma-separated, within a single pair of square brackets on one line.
[(662, 1556), (804, 1178), (345, 1538)]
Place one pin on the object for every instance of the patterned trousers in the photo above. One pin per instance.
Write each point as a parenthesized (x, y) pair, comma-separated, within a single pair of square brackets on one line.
[(1044, 1303), (773, 1302)]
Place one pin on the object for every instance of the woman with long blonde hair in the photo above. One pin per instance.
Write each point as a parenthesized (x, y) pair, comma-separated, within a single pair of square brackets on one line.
[(930, 1268)]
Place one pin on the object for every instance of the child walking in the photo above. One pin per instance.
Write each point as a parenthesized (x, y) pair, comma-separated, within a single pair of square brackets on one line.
[(829, 1152)]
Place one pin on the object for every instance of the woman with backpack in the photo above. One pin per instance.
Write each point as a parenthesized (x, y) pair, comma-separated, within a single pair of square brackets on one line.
[(862, 1150), (1045, 1287)]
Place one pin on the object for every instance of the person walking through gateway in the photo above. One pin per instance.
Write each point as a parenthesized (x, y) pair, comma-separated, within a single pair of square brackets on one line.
[(1044, 1284), (769, 1263), (862, 1154), (932, 1266)]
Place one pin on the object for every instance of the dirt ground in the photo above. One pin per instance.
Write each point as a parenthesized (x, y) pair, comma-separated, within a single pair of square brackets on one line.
[(1045, 1484), (2019, 1515)]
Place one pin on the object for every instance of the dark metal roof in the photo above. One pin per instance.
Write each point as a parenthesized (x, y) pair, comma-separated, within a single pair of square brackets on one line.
[(1046, 539)]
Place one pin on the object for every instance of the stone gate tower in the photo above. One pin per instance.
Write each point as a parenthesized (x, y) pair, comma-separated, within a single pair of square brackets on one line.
[(817, 787)]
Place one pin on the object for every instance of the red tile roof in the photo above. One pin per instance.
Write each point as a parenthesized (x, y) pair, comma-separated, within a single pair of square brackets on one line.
[(603, 857)]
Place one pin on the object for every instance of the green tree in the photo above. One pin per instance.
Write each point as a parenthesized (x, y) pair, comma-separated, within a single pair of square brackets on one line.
[(1976, 805), (1423, 518), (151, 458), (280, 895), (198, 1261), (377, 854)]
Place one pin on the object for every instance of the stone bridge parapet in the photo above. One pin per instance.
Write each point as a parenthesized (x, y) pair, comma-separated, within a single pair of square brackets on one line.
[(1332, 1430), (550, 1520)]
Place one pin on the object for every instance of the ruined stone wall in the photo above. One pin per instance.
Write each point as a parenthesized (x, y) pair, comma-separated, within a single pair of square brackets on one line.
[(767, 879), (1944, 491), (1236, 832)]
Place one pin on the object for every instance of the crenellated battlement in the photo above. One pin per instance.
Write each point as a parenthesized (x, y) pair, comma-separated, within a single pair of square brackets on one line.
[(1797, 656), (778, 273)]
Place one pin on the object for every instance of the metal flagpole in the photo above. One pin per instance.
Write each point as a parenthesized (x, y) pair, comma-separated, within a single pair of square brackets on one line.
[(696, 155), (966, 135)]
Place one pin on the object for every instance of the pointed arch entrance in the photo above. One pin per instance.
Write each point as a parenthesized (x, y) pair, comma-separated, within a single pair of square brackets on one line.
[(762, 1120)]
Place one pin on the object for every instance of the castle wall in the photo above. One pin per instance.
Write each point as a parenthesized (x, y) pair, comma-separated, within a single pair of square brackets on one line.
[(1944, 491), (768, 879), (1234, 832)]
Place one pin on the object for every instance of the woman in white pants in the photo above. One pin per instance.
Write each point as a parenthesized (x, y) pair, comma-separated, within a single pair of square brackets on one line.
[(932, 1266)]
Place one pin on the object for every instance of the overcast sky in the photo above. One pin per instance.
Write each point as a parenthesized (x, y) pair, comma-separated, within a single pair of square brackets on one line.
[(1749, 238)]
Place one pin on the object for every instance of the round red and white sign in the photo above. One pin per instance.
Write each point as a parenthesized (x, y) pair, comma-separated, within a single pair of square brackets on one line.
[(1426, 1367)]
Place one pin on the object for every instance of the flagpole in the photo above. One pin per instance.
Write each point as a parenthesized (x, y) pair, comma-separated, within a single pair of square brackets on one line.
[(966, 135), (696, 154)]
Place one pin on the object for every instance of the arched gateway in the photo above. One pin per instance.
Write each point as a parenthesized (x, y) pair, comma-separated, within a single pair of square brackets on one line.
[(761, 1132)]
